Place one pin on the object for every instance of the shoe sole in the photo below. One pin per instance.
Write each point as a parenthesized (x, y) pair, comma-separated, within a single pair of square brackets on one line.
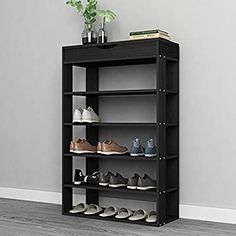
[(90, 121), (150, 221), (107, 215), (132, 187), (85, 121), (104, 184), (136, 219), (145, 188), (92, 213), (150, 155), (117, 185), (76, 212), (122, 217), (111, 153), (77, 182), (82, 152), (136, 154), (77, 121)]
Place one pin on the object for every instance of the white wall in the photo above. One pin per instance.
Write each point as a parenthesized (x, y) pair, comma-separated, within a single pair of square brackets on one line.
[(32, 33)]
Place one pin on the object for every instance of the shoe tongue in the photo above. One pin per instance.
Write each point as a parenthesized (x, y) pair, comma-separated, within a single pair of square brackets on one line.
[(136, 142), (80, 140), (151, 143), (108, 141), (145, 176), (117, 174)]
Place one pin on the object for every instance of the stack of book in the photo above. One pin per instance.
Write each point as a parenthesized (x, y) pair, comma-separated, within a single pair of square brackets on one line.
[(149, 34)]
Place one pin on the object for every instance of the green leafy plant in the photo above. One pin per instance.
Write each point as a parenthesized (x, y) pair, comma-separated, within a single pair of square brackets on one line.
[(88, 11), (106, 15)]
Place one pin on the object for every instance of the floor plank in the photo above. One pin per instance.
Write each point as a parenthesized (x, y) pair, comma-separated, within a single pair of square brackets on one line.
[(21, 218)]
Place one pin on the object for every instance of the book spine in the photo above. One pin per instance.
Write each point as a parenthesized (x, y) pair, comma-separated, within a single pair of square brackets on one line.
[(147, 32)]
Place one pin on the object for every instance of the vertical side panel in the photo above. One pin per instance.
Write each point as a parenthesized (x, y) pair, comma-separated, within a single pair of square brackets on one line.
[(177, 71), (67, 133), (162, 169), (162, 137), (158, 85), (159, 138), (92, 132), (172, 145)]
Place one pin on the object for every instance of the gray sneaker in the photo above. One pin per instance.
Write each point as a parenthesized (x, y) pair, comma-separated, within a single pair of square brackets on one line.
[(117, 181), (150, 150), (136, 149), (133, 181), (104, 178), (146, 183)]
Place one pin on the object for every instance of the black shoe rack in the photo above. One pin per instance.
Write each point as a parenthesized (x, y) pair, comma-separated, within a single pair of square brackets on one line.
[(165, 56)]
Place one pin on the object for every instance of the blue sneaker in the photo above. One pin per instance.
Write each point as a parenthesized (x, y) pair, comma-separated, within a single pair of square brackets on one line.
[(136, 149), (150, 150)]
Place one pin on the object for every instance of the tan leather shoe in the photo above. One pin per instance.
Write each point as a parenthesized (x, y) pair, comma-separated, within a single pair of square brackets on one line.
[(110, 147), (82, 146)]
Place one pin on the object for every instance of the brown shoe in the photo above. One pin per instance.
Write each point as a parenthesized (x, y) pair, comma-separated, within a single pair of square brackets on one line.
[(110, 147), (82, 146)]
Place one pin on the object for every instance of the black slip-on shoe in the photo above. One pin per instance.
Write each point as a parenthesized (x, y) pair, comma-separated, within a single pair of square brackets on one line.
[(105, 178), (117, 181), (78, 177), (133, 182), (92, 179), (146, 183)]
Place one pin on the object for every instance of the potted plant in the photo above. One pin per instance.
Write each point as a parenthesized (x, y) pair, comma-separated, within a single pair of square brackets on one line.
[(89, 12), (107, 16)]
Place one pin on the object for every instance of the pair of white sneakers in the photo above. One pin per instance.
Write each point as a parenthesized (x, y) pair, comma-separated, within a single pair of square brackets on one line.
[(85, 115)]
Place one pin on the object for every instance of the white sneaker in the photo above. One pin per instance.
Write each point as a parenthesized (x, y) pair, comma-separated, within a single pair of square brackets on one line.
[(77, 115), (90, 116)]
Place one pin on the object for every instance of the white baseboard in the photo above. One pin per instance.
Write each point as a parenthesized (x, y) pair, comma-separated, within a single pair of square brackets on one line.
[(186, 211), (30, 195), (221, 215)]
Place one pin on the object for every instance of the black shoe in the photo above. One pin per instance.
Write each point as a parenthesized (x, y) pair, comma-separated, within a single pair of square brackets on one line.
[(133, 182), (104, 178), (117, 181), (146, 183), (92, 179), (78, 177)]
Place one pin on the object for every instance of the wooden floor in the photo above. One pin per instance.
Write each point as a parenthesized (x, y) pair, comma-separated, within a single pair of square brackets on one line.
[(20, 218)]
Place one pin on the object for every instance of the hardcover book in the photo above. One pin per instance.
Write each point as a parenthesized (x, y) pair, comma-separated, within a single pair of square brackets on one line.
[(148, 32)]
